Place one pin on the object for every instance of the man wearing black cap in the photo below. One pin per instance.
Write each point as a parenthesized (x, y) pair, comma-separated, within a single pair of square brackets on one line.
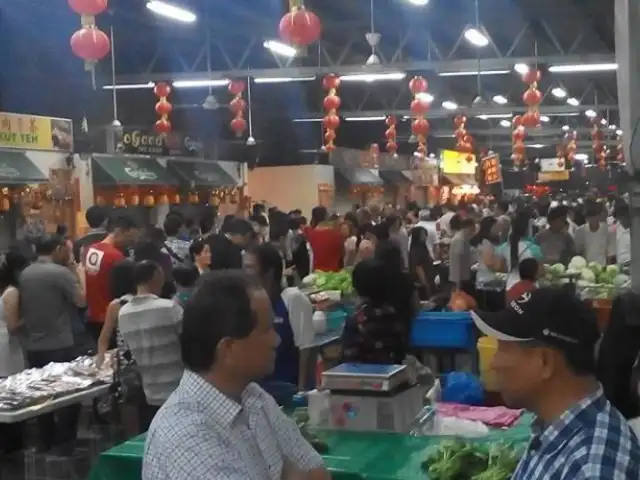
[(545, 363)]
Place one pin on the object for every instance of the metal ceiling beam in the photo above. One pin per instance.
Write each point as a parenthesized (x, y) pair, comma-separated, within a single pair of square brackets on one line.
[(504, 63), (581, 144), (475, 111), (541, 132)]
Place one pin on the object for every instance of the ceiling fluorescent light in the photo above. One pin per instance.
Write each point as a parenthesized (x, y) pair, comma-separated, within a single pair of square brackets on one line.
[(364, 119), (200, 83), (448, 105), (590, 113), (544, 118), (373, 77), (581, 156), (418, 3), (172, 11), (566, 114), (301, 120), (500, 99), (494, 115), (473, 73), (573, 101), (280, 48), (505, 123), (283, 79), (521, 68), (476, 37), (618, 132), (559, 92), (129, 86), (536, 145), (586, 67), (424, 97)]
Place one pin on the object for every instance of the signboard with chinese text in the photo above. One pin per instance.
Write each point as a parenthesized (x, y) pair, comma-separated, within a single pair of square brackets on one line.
[(491, 170), (32, 132), (457, 162)]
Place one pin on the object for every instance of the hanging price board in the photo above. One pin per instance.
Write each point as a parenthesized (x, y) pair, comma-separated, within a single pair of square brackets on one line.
[(491, 170)]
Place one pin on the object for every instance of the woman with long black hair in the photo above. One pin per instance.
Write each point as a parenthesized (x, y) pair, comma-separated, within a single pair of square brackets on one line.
[(421, 264), (490, 290)]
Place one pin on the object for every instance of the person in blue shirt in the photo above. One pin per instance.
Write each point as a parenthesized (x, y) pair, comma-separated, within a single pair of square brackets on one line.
[(293, 318)]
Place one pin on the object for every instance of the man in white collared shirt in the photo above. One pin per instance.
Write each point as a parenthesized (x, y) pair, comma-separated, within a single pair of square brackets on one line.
[(623, 235), (219, 424)]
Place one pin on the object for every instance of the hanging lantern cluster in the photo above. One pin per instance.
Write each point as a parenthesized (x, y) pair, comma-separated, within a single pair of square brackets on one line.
[(299, 27), (89, 43), (163, 108), (237, 106), (620, 149), (562, 161), (597, 143), (419, 107), (391, 135), (464, 141), (571, 147), (518, 149), (331, 105), (532, 98)]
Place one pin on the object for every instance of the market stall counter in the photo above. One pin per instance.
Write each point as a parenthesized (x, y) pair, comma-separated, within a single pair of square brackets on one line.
[(351, 455)]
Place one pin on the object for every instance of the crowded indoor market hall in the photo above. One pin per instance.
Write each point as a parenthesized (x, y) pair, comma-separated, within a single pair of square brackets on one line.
[(319, 239)]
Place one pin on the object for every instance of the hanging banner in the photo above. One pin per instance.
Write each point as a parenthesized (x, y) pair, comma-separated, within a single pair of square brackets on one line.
[(146, 142), (544, 177), (457, 163), (552, 165), (491, 170), (32, 132)]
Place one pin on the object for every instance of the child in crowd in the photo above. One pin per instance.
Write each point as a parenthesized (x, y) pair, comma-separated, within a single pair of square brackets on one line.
[(185, 278), (529, 270)]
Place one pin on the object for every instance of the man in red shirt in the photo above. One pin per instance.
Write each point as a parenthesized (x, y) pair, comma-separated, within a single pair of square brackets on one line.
[(327, 243), (99, 260), (529, 270)]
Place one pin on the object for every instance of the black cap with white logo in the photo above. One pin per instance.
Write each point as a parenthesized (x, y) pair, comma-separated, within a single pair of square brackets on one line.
[(548, 315)]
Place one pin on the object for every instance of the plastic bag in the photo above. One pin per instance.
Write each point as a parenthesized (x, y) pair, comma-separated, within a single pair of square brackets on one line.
[(463, 388)]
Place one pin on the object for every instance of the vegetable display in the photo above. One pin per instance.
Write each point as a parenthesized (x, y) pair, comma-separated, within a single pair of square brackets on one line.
[(593, 280), (460, 460), (325, 281)]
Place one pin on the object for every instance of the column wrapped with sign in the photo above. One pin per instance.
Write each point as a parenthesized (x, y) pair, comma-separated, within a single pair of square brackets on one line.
[(491, 170)]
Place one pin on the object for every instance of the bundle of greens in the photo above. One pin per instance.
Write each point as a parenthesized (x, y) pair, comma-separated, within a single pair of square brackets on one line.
[(460, 460), (325, 281)]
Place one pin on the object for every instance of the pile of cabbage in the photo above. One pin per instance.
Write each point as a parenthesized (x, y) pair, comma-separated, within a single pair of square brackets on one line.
[(592, 279), (328, 281)]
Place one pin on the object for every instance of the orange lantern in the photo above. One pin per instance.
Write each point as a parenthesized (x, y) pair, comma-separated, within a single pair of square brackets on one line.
[(419, 107), (331, 104), (391, 135), (464, 141), (237, 106), (149, 199)]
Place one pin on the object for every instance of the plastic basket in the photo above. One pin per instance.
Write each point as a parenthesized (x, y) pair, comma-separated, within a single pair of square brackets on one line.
[(336, 319), (487, 347), (443, 330)]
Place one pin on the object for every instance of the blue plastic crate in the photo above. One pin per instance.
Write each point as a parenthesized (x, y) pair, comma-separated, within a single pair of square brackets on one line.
[(336, 319), (443, 330)]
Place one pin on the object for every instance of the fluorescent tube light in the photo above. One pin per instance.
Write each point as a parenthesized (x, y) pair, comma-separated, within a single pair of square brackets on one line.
[(505, 123), (544, 118), (568, 114), (280, 48), (500, 99), (283, 79), (200, 83), (373, 77), (424, 97), (593, 67), (129, 86), (618, 132), (582, 156), (521, 68), (536, 145), (573, 101), (418, 3), (364, 119), (476, 37), (494, 115), (590, 113), (559, 92), (172, 11), (473, 73), (448, 105), (306, 120)]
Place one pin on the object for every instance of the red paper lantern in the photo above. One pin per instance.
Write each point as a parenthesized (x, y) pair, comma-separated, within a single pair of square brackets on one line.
[(331, 102), (331, 122), (420, 126), (419, 107), (532, 97), (519, 148), (236, 87), (90, 44), (390, 134), (390, 121), (331, 82), (161, 90), (163, 108), (531, 76), (237, 105), (460, 121), (163, 126), (392, 147), (517, 121), (518, 135), (238, 125), (531, 119), (88, 7), (418, 85), (300, 27)]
